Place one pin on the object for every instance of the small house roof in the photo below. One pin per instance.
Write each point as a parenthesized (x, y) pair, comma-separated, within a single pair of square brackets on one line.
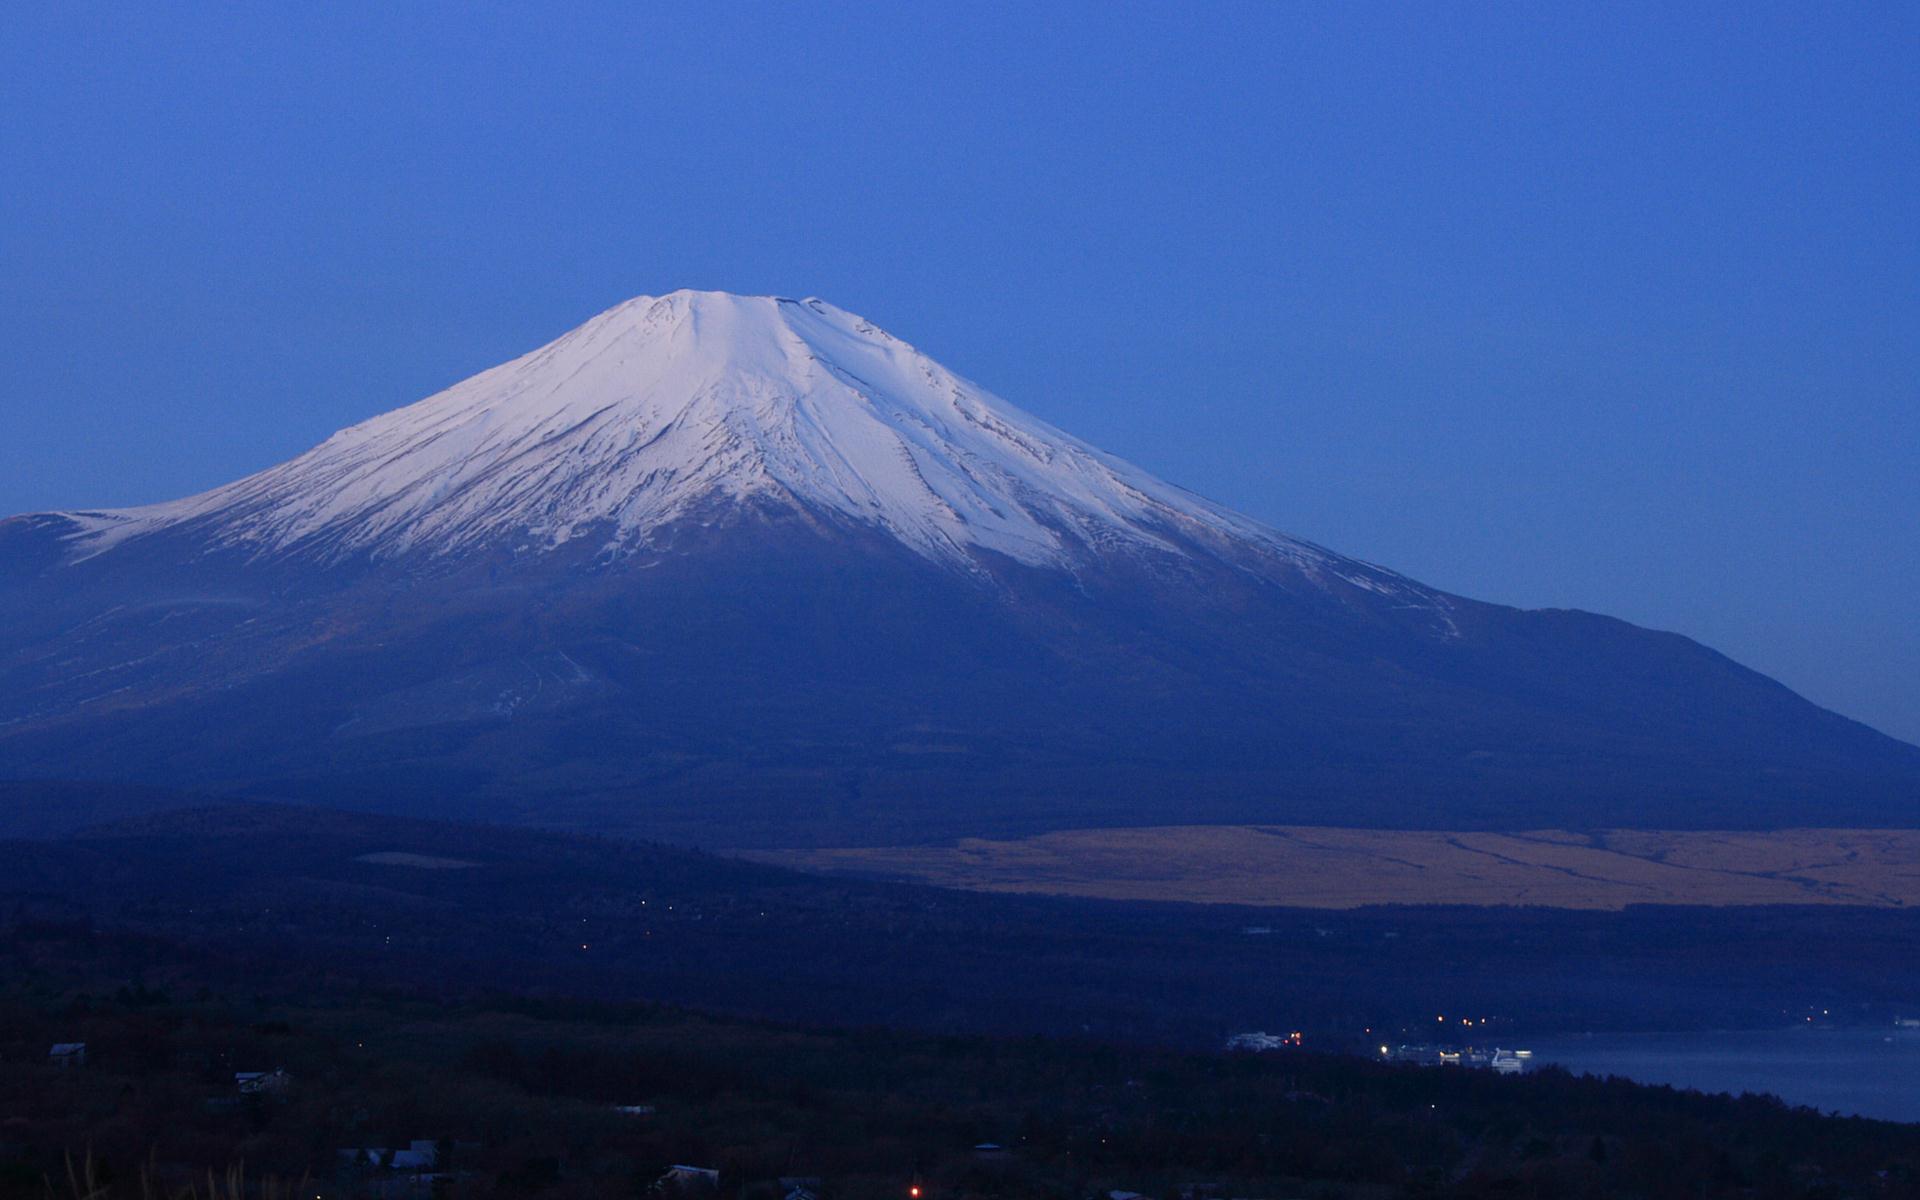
[(682, 1171)]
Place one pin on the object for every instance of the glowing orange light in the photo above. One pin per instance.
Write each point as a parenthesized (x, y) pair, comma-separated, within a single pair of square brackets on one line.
[(914, 1191)]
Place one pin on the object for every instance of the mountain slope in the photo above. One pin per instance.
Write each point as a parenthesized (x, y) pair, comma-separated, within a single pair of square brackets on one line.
[(749, 570)]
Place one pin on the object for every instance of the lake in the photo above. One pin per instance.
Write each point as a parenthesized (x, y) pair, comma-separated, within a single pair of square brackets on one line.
[(1869, 1072)]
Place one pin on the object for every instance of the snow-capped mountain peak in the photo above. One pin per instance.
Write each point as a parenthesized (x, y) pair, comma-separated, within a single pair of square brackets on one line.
[(655, 409), (744, 567)]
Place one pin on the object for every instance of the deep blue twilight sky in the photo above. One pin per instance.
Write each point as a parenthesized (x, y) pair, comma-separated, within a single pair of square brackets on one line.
[(1606, 306)]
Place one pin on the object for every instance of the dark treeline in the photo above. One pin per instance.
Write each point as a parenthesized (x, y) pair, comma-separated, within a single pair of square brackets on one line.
[(520, 1098), (480, 990), (287, 897)]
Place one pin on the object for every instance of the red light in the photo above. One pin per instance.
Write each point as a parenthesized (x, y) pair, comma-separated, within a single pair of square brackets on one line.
[(914, 1191)]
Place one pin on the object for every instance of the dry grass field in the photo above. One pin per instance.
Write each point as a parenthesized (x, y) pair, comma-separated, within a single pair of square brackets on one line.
[(1347, 868)]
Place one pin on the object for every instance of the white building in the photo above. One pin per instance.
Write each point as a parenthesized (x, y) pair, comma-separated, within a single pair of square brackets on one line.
[(68, 1054)]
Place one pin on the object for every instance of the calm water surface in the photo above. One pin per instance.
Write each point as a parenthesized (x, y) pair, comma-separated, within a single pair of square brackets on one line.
[(1869, 1072)]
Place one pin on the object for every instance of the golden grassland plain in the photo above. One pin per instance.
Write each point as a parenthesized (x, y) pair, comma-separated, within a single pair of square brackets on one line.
[(1299, 866)]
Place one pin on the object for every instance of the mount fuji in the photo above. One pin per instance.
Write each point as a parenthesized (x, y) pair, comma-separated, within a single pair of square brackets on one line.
[(751, 571)]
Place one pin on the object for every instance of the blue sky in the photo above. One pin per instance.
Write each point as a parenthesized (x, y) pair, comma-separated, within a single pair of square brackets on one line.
[(1613, 306)]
